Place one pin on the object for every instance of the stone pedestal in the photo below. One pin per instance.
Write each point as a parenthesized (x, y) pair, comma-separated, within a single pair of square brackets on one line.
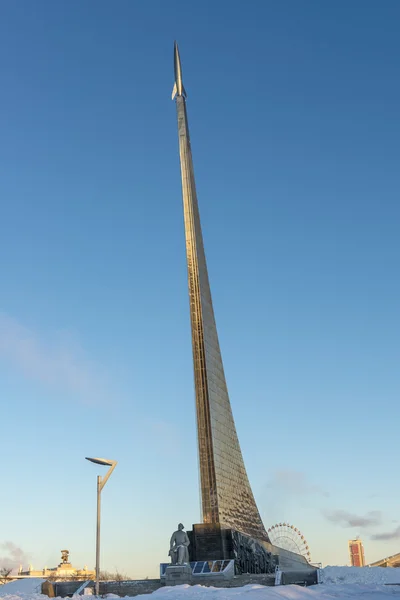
[(178, 574), (208, 541)]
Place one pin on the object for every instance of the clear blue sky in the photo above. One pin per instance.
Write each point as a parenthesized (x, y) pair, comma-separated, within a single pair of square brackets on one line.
[(294, 116)]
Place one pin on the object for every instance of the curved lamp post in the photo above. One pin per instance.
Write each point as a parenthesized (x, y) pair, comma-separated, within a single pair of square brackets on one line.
[(101, 482)]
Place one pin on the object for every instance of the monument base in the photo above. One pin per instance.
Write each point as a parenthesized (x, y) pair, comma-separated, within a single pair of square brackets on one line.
[(211, 542), (178, 574)]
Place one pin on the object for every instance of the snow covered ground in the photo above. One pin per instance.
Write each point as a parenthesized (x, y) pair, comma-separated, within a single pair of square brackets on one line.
[(338, 583), (364, 575), (22, 588)]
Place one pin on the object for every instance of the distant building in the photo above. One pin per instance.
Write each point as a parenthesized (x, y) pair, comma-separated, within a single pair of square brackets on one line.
[(63, 571), (356, 551), (389, 561)]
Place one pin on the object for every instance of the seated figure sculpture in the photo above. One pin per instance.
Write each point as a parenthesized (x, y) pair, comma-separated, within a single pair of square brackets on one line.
[(178, 547)]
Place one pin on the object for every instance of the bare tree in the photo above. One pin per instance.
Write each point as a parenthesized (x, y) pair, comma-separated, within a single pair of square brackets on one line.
[(117, 576), (121, 576), (5, 575)]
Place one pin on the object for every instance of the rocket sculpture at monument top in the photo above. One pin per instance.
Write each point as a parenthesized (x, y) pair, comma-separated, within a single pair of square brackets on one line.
[(226, 495), (178, 85)]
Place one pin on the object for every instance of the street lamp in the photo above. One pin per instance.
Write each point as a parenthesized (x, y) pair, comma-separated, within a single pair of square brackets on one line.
[(101, 482)]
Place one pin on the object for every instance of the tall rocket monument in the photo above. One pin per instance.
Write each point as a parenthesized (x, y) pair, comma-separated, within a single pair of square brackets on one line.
[(226, 495)]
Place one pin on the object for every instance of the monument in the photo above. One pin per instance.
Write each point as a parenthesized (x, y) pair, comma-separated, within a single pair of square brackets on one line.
[(178, 546), (232, 527), (226, 495)]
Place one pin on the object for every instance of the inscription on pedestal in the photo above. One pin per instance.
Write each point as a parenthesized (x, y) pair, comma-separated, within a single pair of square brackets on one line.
[(178, 574)]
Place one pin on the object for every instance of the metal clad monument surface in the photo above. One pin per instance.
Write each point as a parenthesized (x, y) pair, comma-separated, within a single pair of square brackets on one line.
[(226, 495)]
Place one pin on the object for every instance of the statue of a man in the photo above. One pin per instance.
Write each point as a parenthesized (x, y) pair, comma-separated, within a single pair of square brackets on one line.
[(178, 547)]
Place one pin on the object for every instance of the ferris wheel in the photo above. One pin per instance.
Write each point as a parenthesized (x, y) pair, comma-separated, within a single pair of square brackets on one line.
[(289, 537)]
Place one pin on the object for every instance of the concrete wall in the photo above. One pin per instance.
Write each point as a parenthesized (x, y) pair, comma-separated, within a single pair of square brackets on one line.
[(60, 588), (121, 588), (302, 577), (130, 588), (236, 581), (148, 586), (134, 588)]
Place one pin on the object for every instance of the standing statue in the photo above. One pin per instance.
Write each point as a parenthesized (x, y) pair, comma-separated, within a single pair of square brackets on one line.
[(178, 547)]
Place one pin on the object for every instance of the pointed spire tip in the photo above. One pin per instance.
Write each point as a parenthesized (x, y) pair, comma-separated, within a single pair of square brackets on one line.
[(179, 89)]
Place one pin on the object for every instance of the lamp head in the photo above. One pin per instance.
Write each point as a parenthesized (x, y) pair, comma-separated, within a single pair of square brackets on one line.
[(102, 461)]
